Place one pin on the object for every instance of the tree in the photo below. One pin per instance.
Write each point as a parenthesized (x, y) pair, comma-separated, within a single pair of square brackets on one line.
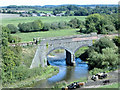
[(46, 27), (12, 28), (56, 11), (81, 12), (67, 13), (102, 54), (75, 23), (101, 24), (11, 57), (36, 25)]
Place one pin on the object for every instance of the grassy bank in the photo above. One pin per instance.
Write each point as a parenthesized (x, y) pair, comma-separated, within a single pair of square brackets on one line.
[(28, 53), (114, 85), (48, 72), (25, 37), (18, 20), (64, 84)]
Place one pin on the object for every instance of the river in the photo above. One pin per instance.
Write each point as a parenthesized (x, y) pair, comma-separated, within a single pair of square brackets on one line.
[(66, 73)]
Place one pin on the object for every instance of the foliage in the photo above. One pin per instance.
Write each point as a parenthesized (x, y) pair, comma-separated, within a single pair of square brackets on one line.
[(102, 24), (103, 54), (46, 27), (12, 28), (11, 57), (97, 70), (80, 51), (14, 39), (36, 25), (5, 35), (75, 23), (56, 11), (108, 58), (59, 85), (81, 12), (116, 40)]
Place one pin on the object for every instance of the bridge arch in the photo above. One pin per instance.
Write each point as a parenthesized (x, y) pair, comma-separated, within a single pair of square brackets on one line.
[(69, 54), (81, 47), (66, 49)]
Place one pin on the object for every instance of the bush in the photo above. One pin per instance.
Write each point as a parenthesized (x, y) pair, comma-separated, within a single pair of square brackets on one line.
[(46, 27), (54, 25), (103, 54), (12, 28), (75, 23), (62, 25), (116, 40), (97, 70), (36, 25)]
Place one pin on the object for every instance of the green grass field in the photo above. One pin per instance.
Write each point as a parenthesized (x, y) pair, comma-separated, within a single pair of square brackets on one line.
[(25, 37), (18, 20), (115, 85)]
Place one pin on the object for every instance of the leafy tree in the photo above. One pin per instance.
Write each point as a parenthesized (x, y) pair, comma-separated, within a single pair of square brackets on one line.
[(67, 13), (56, 11), (81, 12), (102, 54), (36, 25), (54, 25), (46, 27), (116, 40), (101, 24), (62, 25), (13, 29), (10, 57), (75, 23)]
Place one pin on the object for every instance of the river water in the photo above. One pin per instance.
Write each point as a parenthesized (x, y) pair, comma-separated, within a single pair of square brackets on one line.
[(66, 73)]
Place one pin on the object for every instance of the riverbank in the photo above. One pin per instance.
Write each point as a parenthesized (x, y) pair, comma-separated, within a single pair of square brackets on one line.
[(112, 77), (100, 83), (50, 71)]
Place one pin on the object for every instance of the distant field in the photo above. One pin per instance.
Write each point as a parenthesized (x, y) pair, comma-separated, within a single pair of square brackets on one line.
[(18, 20), (25, 37), (3, 16)]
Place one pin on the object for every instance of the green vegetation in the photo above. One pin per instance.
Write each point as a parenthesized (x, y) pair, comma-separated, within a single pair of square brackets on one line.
[(28, 53), (31, 76), (16, 21), (36, 25), (12, 28), (15, 66), (114, 85), (97, 70), (80, 51), (64, 84), (103, 54), (26, 37), (101, 24)]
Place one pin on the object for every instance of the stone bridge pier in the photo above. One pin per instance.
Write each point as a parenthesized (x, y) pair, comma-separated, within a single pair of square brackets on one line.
[(70, 58)]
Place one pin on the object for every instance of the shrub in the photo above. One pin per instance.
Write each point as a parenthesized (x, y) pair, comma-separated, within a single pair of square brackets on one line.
[(46, 27), (12, 28)]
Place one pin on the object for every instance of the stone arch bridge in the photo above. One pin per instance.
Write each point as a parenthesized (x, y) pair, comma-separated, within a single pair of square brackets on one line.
[(70, 44)]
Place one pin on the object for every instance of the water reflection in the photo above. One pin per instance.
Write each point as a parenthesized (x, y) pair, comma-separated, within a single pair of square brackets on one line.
[(68, 73)]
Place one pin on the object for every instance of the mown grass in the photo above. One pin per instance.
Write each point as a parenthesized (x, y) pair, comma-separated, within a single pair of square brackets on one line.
[(115, 85), (18, 20), (25, 37)]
